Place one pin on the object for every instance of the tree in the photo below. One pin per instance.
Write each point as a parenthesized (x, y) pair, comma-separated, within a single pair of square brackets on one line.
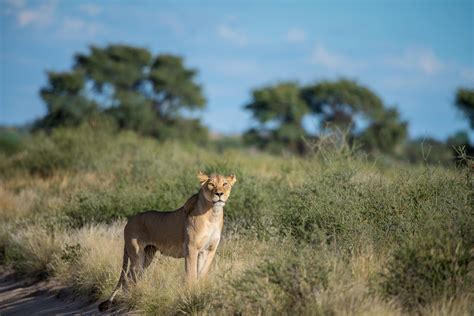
[(279, 111), (140, 91), (173, 86), (121, 67), (386, 133), (65, 100), (337, 102), (465, 103)]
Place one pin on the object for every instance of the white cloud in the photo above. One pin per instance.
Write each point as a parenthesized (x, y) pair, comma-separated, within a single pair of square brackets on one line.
[(334, 61), (40, 15), (15, 3), (90, 9), (418, 59), (415, 60), (45, 14), (232, 35), (74, 28), (295, 35)]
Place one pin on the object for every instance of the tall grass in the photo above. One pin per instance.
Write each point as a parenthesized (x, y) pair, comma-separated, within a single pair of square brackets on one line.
[(333, 233)]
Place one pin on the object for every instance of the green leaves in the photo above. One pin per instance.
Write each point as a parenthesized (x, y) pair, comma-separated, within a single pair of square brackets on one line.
[(121, 66), (173, 85), (66, 101), (139, 91), (279, 111), (281, 108), (465, 103), (280, 102), (385, 133), (338, 101)]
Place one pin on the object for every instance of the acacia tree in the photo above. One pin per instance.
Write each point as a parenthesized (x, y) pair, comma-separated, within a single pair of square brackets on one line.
[(386, 133), (140, 91), (279, 111), (173, 86), (65, 100), (460, 140), (465, 103), (338, 102)]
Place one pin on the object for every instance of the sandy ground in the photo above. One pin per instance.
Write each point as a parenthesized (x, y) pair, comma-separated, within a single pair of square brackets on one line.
[(20, 297)]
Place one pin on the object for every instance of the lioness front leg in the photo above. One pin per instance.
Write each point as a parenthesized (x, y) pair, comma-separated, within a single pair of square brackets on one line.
[(210, 253), (202, 258), (191, 262)]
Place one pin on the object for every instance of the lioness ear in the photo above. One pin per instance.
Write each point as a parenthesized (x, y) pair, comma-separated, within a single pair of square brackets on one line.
[(202, 177), (232, 179)]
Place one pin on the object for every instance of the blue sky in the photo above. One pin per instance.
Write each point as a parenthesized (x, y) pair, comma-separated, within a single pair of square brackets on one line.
[(414, 54)]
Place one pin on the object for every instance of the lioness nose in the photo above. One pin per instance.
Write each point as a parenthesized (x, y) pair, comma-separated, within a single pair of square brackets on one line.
[(219, 194)]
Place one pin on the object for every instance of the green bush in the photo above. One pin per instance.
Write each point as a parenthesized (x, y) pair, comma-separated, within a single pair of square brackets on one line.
[(287, 282), (64, 149), (325, 209), (345, 208), (250, 201), (10, 141), (427, 268), (105, 207)]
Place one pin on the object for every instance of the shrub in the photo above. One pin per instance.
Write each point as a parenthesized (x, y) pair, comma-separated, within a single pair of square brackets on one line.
[(64, 149), (106, 206), (345, 207), (10, 140), (251, 199), (325, 209), (288, 282), (426, 269)]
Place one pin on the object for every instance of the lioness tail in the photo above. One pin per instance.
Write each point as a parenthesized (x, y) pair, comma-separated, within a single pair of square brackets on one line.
[(105, 304)]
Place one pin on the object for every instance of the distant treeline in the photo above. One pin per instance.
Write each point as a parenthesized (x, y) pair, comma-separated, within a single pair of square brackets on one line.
[(155, 95)]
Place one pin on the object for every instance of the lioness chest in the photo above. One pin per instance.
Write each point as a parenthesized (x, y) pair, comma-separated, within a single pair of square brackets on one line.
[(205, 234)]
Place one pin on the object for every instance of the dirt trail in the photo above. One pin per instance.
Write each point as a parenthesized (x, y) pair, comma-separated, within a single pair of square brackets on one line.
[(19, 297)]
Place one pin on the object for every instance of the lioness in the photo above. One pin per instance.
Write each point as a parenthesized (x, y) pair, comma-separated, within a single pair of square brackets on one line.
[(193, 231)]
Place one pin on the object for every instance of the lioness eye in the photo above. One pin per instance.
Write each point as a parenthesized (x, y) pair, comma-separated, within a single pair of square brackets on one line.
[(211, 185), (226, 184)]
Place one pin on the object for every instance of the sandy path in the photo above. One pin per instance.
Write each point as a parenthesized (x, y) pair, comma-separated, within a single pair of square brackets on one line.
[(19, 297)]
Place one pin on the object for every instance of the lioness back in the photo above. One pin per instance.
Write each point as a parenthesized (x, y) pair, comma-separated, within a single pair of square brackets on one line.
[(163, 230)]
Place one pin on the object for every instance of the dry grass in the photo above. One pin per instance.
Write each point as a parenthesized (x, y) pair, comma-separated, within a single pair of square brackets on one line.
[(95, 267), (34, 249), (16, 204), (460, 306)]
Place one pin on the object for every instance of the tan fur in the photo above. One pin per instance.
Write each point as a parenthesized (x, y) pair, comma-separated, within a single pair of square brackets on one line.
[(193, 232)]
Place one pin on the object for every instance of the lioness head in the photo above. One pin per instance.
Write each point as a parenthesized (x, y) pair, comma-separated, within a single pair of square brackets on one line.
[(216, 188)]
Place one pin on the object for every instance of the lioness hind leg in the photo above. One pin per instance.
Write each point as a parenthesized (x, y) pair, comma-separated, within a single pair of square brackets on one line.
[(137, 260), (150, 252)]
